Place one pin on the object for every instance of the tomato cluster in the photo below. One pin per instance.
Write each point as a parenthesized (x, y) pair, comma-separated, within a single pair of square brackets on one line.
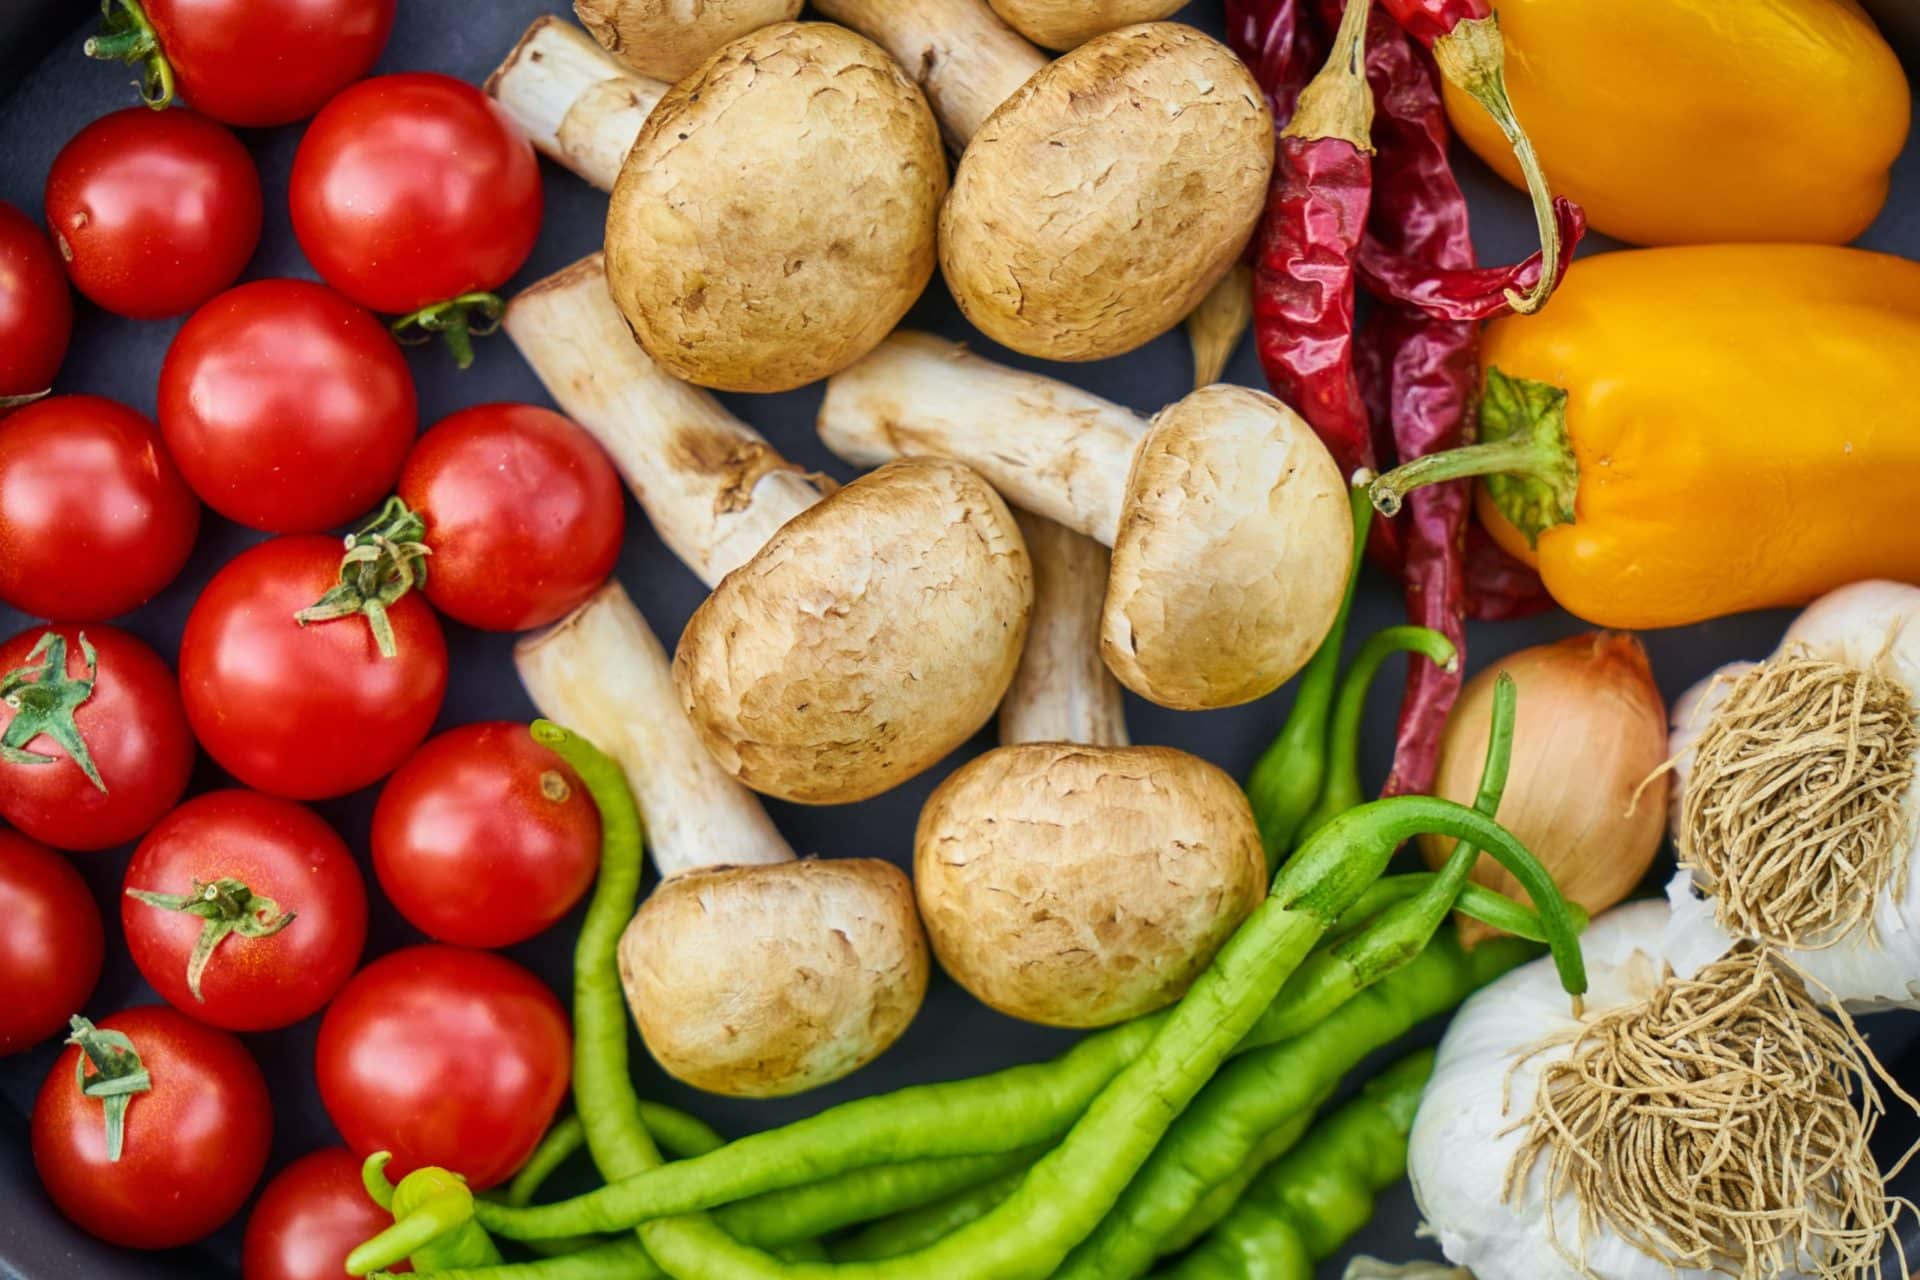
[(309, 667)]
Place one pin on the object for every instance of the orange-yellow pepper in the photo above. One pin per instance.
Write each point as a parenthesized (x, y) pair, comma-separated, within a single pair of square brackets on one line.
[(1692, 432), (1702, 121)]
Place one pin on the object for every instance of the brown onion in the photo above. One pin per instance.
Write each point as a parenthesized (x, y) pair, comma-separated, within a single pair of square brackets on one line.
[(1589, 728)]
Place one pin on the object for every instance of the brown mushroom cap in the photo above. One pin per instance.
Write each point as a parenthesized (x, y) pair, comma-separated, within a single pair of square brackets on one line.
[(1079, 886), (1098, 205), (775, 217), (1063, 24), (667, 39), (762, 981), (1232, 554), (872, 635)]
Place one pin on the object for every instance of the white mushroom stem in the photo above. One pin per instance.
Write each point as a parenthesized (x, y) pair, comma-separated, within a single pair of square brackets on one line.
[(1048, 447), (602, 673), (714, 489), (965, 59), (575, 101), (1063, 691)]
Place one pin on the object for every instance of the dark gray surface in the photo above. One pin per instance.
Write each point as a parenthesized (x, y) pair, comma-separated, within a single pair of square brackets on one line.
[(953, 1036)]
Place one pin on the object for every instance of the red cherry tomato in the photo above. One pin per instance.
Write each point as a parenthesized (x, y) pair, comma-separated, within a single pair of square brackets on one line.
[(524, 515), (444, 1057), (128, 726), (279, 918), (305, 711), (153, 211), (411, 190), (51, 947), (36, 308), (248, 63), (484, 838), (194, 1141), (309, 1219), (287, 407), (94, 517)]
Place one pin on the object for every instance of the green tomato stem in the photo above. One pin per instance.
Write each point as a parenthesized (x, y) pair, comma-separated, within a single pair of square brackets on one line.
[(385, 559), (458, 321), (128, 36), (228, 906), (44, 700), (118, 1074)]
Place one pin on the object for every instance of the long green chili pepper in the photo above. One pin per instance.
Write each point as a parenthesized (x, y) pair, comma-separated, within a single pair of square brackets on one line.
[(1223, 1132), (1286, 780), (913, 1229), (860, 1195), (563, 1139), (1342, 789), (432, 1222), (1219, 1200), (1068, 1192), (1307, 1204), (1476, 902)]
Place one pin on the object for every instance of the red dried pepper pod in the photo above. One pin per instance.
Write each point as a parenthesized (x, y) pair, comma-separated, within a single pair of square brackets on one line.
[(1465, 38)]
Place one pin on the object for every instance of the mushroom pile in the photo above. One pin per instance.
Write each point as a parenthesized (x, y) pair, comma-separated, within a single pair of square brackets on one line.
[(855, 637)]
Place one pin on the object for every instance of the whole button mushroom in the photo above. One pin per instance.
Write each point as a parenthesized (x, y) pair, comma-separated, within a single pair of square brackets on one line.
[(1228, 518), (710, 959), (1103, 200), (727, 288), (667, 39), (1068, 878), (850, 641), (1062, 24)]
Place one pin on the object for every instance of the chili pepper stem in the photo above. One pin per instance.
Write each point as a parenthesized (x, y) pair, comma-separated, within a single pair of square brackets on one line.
[(129, 37), (385, 559), (1473, 56), (455, 321), (1337, 102), (44, 699), (1524, 452)]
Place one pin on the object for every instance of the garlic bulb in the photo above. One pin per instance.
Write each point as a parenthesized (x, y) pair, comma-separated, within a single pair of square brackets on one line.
[(1842, 807)]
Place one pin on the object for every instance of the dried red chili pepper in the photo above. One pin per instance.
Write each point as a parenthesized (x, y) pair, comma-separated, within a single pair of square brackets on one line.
[(1464, 293), (1281, 46), (1464, 36)]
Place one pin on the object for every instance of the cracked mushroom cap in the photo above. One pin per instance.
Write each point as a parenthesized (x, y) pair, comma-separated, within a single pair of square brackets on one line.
[(668, 39), (1079, 886), (776, 216), (872, 635), (1098, 205), (1063, 24), (1232, 554), (763, 981)]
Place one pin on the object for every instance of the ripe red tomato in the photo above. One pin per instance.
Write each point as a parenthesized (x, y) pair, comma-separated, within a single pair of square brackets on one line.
[(248, 63), (287, 407), (94, 517), (153, 211), (273, 892), (524, 515), (445, 1057), (484, 838), (309, 1219), (52, 946), (305, 711), (129, 726), (195, 1140), (36, 308), (410, 190)]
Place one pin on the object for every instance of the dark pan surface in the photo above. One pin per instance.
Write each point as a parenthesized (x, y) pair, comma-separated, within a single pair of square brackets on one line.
[(48, 91)]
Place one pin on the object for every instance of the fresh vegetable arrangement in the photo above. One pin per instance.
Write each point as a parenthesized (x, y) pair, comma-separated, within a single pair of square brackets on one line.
[(1645, 437)]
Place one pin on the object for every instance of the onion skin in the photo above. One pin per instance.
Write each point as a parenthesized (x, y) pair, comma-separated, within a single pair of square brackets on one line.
[(1590, 727)]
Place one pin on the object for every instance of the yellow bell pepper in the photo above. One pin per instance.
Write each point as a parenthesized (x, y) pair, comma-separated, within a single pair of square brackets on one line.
[(1691, 432), (1699, 121)]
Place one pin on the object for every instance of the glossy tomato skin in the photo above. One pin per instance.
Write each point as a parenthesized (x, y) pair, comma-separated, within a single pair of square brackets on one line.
[(287, 407), (309, 1219), (51, 947), (524, 515), (36, 307), (279, 850), (484, 838), (95, 519), (153, 212), (195, 1144), (305, 712), (445, 1057), (133, 727), (413, 189), (247, 63)]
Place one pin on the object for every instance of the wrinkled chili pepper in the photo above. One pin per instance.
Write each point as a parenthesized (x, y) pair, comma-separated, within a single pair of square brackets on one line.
[(1278, 41), (1464, 293), (1464, 36)]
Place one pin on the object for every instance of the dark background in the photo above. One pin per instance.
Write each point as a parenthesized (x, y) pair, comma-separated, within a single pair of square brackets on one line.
[(48, 91)]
